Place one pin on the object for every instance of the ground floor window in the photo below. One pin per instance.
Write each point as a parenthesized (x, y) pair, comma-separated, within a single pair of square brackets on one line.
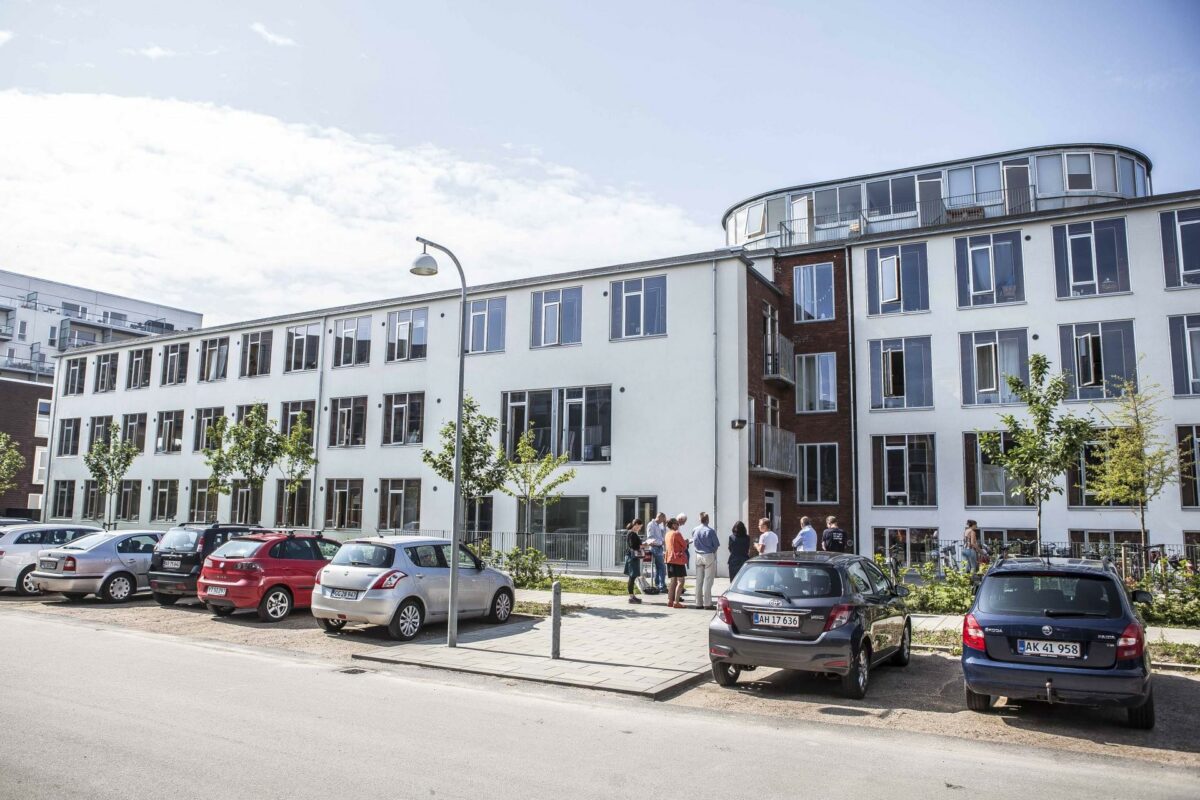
[(907, 545), (93, 502), (1097, 544), (399, 504), (129, 501), (343, 503), (245, 503), (64, 499), (164, 498), (559, 529), (1191, 546), (1018, 540), (291, 508), (202, 505), (644, 508), (480, 516)]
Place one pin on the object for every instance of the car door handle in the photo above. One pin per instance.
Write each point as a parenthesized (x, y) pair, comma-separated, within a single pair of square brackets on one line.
[(418, 575)]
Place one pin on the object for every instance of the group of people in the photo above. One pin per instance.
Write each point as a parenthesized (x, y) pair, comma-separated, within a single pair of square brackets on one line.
[(671, 552)]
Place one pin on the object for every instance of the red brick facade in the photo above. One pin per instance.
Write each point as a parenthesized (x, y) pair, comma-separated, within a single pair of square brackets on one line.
[(18, 418)]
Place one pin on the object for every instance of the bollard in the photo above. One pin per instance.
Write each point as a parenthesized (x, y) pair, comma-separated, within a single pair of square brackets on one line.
[(555, 618)]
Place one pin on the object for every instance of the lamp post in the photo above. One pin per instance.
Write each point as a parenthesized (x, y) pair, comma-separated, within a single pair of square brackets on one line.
[(426, 265)]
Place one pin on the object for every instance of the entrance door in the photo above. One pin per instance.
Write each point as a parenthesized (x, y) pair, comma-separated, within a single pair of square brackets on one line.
[(1018, 199), (929, 199), (771, 508), (799, 221), (643, 508)]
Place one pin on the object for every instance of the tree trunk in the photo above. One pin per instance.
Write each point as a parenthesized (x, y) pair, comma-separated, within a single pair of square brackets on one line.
[(1039, 528)]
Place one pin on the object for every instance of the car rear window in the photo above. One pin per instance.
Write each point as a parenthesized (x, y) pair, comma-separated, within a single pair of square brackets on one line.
[(356, 554), (238, 548), (790, 580), (179, 539), (1054, 595), (87, 542)]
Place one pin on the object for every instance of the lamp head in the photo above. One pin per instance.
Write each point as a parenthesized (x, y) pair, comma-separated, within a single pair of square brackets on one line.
[(424, 265)]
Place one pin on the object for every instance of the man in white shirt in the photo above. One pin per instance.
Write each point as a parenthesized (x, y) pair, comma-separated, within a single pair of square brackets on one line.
[(806, 539), (656, 533), (768, 540)]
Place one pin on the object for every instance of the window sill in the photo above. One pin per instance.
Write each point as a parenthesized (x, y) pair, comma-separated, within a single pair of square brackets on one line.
[(812, 321), (997, 508), (991, 405), (637, 338), (906, 408), (913, 508), (167, 452), (251, 377), (1185, 396), (1002, 304), (1081, 400), (400, 444), (348, 366), (1098, 295), (554, 346), (817, 502), (483, 352), (214, 380), (299, 371), (885, 314), (403, 360), (345, 447), (815, 413)]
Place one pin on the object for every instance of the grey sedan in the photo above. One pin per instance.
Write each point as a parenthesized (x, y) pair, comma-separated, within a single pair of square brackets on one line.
[(113, 566)]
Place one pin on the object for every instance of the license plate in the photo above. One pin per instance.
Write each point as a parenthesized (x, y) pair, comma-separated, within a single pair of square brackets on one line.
[(1040, 647), (777, 620), (343, 594), (47, 563), (216, 591), (171, 564)]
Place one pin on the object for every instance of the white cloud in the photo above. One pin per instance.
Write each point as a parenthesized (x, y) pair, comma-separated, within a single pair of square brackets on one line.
[(241, 215), (272, 38), (5, 36), (153, 52)]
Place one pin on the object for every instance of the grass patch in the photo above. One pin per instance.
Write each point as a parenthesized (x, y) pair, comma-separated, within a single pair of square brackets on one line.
[(573, 583), (534, 609), (951, 639), (1174, 652)]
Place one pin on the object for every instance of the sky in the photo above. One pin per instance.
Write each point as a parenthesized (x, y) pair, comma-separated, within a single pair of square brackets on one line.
[(251, 158)]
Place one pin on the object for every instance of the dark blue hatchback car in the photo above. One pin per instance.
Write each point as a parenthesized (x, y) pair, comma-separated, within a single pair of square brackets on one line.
[(1060, 631)]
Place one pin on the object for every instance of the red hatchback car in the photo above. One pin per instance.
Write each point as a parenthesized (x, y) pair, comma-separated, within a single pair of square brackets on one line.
[(272, 572)]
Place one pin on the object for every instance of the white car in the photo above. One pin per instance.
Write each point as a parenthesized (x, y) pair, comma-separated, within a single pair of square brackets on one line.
[(19, 547)]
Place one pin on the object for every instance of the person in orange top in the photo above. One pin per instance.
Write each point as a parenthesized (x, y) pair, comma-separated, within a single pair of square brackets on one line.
[(676, 563)]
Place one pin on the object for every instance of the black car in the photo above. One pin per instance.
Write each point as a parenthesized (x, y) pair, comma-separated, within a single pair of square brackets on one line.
[(833, 613), (179, 555)]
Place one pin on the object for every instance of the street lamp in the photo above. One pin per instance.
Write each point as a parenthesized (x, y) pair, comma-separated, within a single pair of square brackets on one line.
[(425, 266)]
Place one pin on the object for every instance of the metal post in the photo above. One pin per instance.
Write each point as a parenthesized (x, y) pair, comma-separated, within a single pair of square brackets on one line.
[(555, 619)]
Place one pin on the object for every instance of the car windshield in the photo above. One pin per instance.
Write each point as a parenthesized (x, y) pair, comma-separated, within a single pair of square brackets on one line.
[(179, 539), (87, 542), (358, 554), (238, 548), (1050, 595), (790, 581)]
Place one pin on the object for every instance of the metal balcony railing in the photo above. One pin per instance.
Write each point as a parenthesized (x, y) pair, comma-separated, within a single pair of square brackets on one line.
[(36, 366), (6, 331), (772, 450), (779, 358)]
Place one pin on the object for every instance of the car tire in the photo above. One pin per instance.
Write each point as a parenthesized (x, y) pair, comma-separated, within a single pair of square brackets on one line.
[(1142, 717), (904, 654), (166, 599), (406, 622), (119, 588), (331, 625), (725, 674), (502, 607), (221, 611), (276, 604), (977, 702), (25, 586), (74, 597), (857, 680)]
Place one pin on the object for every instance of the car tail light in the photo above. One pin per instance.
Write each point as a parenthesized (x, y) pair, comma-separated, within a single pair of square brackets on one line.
[(208, 563), (317, 579), (724, 611), (972, 636), (69, 564), (1, 554), (247, 566), (1132, 643), (389, 579), (839, 615)]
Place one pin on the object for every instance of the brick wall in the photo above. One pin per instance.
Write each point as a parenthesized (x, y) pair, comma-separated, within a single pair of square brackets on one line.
[(18, 415)]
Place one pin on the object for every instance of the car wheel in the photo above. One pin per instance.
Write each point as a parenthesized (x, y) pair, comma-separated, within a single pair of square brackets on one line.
[(275, 605), (332, 625), (118, 588), (221, 611), (978, 702), (25, 585), (166, 599), (502, 606), (904, 654), (406, 623), (855, 682), (725, 674), (74, 597), (1142, 717)]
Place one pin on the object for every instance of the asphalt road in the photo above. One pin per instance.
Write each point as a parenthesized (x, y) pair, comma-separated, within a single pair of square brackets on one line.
[(100, 712)]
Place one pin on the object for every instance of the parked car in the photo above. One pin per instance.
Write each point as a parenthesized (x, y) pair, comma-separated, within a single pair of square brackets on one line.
[(179, 556), (403, 582), (272, 571), (19, 546), (1060, 631), (6, 521), (833, 613), (113, 565)]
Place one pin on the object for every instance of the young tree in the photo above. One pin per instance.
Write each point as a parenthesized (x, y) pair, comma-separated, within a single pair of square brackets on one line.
[(1044, 447), (248, 449), (11, 462), (483, 472), (531, 477), (108, 461), (296, 460)]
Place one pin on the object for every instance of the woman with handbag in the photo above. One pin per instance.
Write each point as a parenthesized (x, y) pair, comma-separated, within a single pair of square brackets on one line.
[(677, 556), (633, 555)]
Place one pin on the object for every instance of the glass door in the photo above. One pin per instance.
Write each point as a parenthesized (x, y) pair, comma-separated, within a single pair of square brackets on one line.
[(929, 199), (1017, 196), (799, 221)]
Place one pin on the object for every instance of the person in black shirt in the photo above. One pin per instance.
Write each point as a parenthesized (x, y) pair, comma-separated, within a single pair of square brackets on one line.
[(633, 555), (833, 538), (739, 548)]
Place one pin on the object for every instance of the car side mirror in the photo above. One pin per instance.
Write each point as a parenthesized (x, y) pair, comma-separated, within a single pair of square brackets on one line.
[(1143, 597), (901, 591)]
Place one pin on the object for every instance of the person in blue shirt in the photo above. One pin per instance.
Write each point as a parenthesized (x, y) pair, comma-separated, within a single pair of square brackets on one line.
[(806, 539), (706, 543)]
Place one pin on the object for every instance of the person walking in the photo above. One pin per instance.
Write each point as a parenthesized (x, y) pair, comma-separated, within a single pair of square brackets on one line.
[(676, 563), (682, 519), (971, 546), (833, 538), (633, 556), (806, 539), (656, 533), (739, 548), (706, 544), (768, 540)]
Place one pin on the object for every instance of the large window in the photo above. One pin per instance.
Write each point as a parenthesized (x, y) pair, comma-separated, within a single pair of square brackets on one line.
[(352, 342), (63, 504), (901, 373), (897, 279), (1189, 464), (291, 508), (408, 334), (1185, 353), (399, 504), (129, 500), (174, 364), (403, 417), (170, 432), (837, 206), (907, 545), (93, 501), (817, 481), (812, 285), (245, 503), (290, 414), (256, 353), (214, 359), (75, 376), (638, 308), (138, 375), (557, 317), (904, 471), (816, 383), (567, 515), (68, 436), (343, 503), (485, 325), (987, 483), (164, 501), (348, 422), (303, 347), (206, 418), (106, 372), (1181, 247), (1098, 357), (1079, 477), (202, 504), (894, 196), (99, 431), (575, 421), (133, 429), (987, 359), (989, 269), (1091, 258)]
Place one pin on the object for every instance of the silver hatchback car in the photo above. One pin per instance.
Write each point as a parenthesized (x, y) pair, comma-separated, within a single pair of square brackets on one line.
[(403, 582), (113, 565), (19, 548)]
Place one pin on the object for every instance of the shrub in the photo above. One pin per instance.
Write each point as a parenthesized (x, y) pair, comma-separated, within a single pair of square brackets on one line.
[(1178, 605), (951, 594), (527, 567)]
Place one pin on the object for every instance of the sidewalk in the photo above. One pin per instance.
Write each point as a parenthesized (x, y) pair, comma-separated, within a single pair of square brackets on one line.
[(953, 622)]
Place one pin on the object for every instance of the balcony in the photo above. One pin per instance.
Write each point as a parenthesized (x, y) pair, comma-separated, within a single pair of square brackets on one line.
[(772, 451), (33, 366), (779, 359), (6, 332)]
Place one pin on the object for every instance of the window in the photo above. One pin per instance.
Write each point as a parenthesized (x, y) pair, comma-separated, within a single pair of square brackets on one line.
[(813, 287), (479, 515), (41, 465), (106, 373), (202, 505), (133, 429), (575, 421), (53, 337), (756, 220), (68, 436), (484, 332), (174, 364), (568, 515), (399, 504), (838, 206), (1079, 172), (99, 431), (989, 269), (170, 432), (904, 470), (1181, 246), (638, 308), (557, 317), (817, 481), (138, 375), (408, 333), (901, 373), (348, 422), (1106, 172), (816, 383), (129, 500), (987, 483), (291, 508), (895, 196), (908, 545), (1184, 333), (291, 412), (214, 359), (64, 500), (22, 328), (302, 348), (76, 374), (1098, 357), (352, 342), (164, 501), (242, 411), (988, 358), (1079, 476), (403, 418), (206, 418), (1188, 437), (343, 504), (1091, 258), (245, 503), (41, 425), (93, 501), (256, 354), (897, 279)]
